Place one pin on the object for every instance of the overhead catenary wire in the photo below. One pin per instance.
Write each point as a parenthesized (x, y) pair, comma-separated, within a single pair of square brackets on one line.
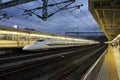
[(69, 18), (74, 15), (81, 19)]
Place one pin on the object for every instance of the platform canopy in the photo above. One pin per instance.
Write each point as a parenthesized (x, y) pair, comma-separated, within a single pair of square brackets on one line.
[(107, 15)]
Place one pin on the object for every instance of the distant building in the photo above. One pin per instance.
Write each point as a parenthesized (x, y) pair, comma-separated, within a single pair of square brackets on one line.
[(29, 29), (88, 35)]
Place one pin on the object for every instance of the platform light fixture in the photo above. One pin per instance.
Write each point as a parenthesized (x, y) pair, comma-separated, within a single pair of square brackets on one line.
[(15, 26)]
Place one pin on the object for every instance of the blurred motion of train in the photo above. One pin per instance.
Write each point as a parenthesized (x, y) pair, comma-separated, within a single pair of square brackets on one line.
[(31, 40), (48, 43)]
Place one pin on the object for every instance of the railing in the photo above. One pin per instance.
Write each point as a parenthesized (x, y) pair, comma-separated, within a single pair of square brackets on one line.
[(93, 72)]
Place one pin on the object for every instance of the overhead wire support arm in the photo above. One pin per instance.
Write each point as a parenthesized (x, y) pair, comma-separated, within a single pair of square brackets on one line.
[(50, 5), (45, 6), (60, 9), (77, 6), (66, 7), (14, 3)]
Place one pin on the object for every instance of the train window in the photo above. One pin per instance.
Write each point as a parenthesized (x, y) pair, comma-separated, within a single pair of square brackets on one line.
[(40, 40)]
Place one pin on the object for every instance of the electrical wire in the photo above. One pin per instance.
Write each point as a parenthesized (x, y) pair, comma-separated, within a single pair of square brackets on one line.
[(68, 17)]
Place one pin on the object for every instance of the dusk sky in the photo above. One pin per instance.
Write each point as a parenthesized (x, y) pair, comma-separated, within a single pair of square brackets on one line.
[(64, 21)]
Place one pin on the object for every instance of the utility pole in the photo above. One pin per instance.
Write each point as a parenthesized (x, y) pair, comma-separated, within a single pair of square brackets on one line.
[(77, 32), (0, 1), (44, 7), (44, 11)]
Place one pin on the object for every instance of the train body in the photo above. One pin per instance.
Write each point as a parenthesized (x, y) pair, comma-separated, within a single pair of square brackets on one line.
[(49, 43)]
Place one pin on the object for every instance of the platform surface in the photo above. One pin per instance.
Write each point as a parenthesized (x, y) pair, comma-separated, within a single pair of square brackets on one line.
[(111, 67)]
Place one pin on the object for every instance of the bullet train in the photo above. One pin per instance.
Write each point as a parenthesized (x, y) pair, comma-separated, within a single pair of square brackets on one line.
[(49, 43)]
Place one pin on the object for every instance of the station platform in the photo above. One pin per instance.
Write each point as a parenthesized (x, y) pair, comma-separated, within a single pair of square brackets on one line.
[(110, 69)]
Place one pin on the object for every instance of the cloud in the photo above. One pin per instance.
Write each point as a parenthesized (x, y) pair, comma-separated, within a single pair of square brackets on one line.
[(58, 24)]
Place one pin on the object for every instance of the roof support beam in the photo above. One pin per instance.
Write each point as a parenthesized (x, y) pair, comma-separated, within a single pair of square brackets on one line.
[(106, 7)]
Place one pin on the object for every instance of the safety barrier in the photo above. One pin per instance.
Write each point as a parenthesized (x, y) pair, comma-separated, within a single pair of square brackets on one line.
[(93, 72)]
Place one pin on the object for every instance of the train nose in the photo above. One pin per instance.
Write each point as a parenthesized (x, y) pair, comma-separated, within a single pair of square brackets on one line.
[(26, 48)]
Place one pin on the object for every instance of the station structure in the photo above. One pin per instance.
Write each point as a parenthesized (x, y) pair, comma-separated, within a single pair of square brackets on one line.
[(107, 15)]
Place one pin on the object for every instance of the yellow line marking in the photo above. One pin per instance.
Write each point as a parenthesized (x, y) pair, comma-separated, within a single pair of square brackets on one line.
[(113, 69)]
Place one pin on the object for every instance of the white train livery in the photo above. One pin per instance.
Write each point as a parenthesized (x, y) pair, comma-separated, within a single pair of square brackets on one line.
[(48, 43)]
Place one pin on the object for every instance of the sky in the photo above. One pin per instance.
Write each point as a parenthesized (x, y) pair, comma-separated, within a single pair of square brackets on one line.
[(63, 21)]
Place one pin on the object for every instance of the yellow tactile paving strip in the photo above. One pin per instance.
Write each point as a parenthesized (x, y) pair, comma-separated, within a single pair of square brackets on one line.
[(108, 70), (113, 70), (117, 59)]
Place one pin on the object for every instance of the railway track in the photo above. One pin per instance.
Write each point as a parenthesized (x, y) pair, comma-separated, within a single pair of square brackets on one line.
[(75, 72), (36, 61), (8, 59), (8, 52)]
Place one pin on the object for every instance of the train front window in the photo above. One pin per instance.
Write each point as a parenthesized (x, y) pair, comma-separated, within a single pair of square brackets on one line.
[(41, 40)]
